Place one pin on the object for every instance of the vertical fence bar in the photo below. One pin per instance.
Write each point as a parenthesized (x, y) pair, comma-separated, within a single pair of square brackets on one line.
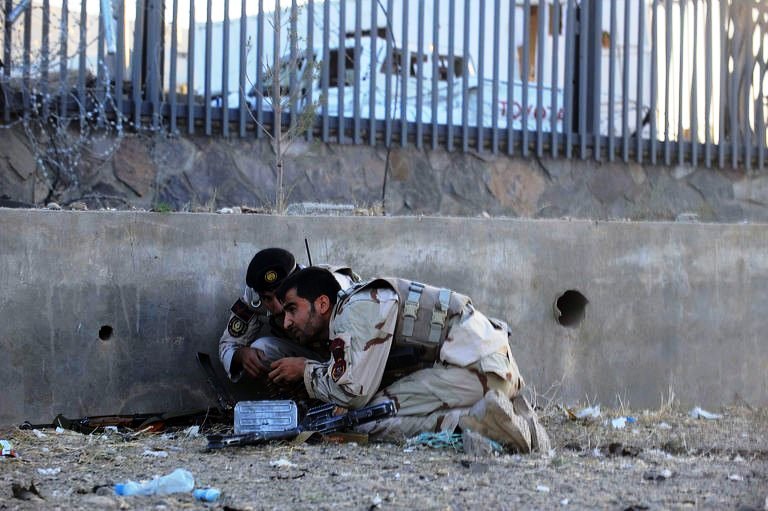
[(654, 77), (555, 113), (276, 96), (101, 85), (465, 82), (341, 74), (760, 108), (120, 63), (612, 85), (405, 64), (241, 96), (538, 112), (225, 72), (570, 52), (7, 33), (734, 120), (722, 144), (449, 102), (174, 54), (358, 54), (625, 89), (191, 70), (27, 60), (680, 135), (584, 28), (311, 67), (372, 76), (260, 71), (597, 41), (388, 78), (420, 75), (694, 87), (526, 73), (708, 87), (435, 71), (208, 58), (326, 68), (293, 41), (495, 87), (44, 56), (154, 52), (640, 82), (480, 77), (63, 78), (667, 74), (138, 38)]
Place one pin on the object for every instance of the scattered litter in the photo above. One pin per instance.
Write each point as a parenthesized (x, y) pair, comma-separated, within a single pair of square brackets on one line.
[(59, 430), (407, 462), (53, 206), (543, 489), (48, 471), (408, 449), (178, 481), (564, 502), (735, 477), (38, 433), (699, 413), (192, 431), (7, 449), (476, 444), (619, 423), (590, 412), (738, 459), (282, 462), (596, 453), (207, 494), (376, 501), (439, 440), (21, 493), (664, 425), (156, 454), (656, 475), (110, 429)]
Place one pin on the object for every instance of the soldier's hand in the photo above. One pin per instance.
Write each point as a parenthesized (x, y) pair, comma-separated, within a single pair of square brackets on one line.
[(287, 370), (253, 361)]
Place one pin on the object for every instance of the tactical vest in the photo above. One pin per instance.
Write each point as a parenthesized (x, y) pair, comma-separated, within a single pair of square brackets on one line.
[(423, 313)]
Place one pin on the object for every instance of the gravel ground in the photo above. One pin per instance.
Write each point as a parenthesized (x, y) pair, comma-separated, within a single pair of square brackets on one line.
[(665, 460)]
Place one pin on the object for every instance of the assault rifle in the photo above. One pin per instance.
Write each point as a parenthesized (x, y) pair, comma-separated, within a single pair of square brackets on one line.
[(322, 419), (137, 421)]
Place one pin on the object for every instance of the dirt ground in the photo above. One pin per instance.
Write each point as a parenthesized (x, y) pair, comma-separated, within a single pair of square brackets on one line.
[(664, 460)]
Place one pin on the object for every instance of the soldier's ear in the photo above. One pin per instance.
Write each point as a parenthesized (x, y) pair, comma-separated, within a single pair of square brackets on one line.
[(323, 304)]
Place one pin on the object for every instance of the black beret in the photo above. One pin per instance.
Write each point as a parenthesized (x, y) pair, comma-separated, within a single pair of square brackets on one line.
[(268, 268)]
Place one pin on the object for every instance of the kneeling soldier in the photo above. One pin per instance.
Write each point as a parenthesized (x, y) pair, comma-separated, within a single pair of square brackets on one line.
[(461, 371)]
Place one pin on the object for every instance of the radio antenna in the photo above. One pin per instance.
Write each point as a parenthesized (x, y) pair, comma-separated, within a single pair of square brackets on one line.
[(309, 256)]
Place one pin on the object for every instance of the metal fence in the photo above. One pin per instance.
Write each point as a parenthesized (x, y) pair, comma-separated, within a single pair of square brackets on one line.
[(671, 82)]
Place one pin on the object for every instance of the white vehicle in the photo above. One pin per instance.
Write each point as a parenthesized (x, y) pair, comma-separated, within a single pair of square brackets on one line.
[(450, 77)]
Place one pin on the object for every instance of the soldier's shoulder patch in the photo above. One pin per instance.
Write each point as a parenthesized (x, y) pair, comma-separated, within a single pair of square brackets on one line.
[(237, 327), (338, 369), (242, 311)]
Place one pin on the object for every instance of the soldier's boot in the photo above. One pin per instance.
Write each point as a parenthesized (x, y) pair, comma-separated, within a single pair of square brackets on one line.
[(539, 437), (494, 417)]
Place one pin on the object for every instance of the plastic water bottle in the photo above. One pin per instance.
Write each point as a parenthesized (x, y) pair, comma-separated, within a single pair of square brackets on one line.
[(178, 481), (207, 494)]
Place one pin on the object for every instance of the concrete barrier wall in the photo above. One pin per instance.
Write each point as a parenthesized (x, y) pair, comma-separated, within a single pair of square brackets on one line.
[(672, 307)]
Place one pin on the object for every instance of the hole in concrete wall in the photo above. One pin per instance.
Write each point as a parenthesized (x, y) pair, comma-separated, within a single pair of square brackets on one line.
[(570, 308), (105, 332)]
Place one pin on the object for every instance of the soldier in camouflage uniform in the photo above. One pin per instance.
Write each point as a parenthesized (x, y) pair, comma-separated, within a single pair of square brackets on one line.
[(254, 337), (461, 371)]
